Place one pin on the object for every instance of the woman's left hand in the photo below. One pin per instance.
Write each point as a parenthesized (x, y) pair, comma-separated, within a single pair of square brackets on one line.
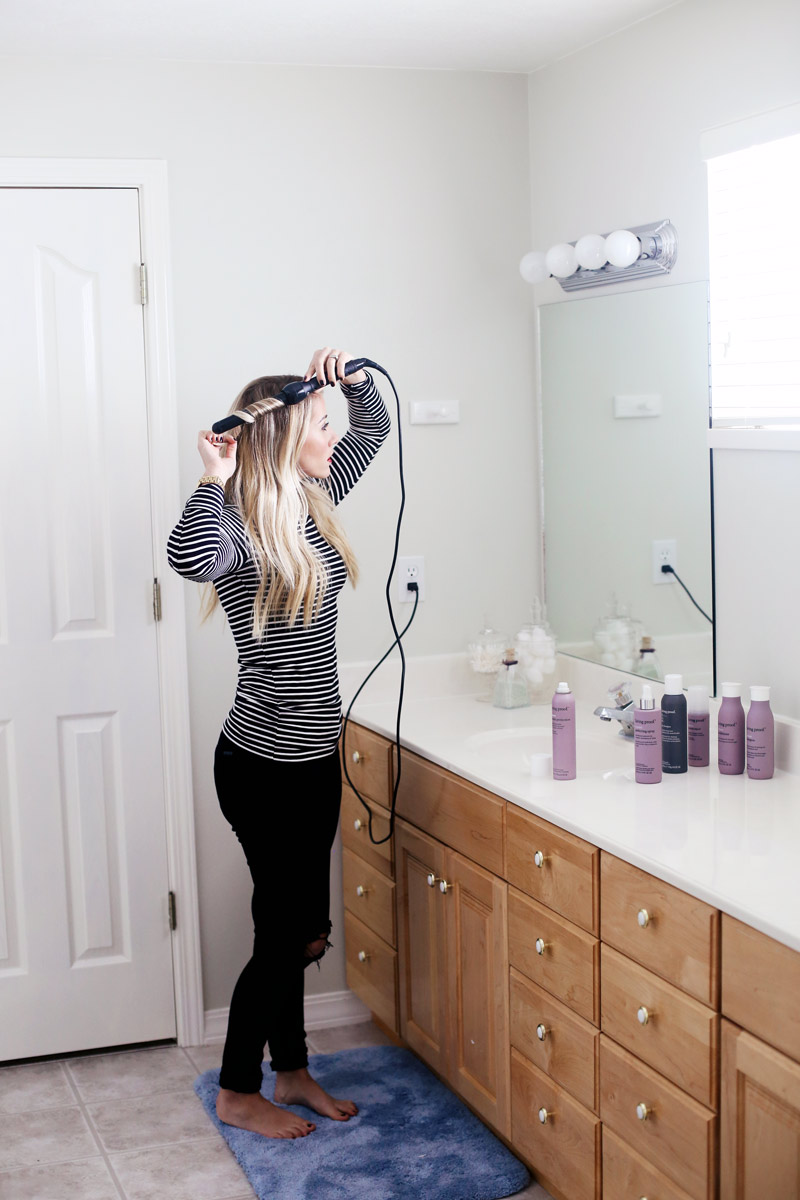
[(328, 365)]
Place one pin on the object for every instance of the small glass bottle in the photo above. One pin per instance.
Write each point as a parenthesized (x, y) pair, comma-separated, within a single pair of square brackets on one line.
[(510, 690)]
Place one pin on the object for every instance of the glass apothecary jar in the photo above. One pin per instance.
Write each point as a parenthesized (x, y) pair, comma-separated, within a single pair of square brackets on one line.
[(485, 655)]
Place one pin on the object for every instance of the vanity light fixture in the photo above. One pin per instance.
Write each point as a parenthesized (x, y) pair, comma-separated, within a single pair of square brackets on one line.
[(595, 261)]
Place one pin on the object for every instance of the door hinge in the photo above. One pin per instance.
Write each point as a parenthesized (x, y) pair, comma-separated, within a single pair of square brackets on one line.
[(156, 600), (143, 283), (173, 912)]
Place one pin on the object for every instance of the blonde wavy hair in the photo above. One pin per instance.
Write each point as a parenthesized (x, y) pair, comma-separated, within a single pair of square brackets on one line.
[(276, 497)]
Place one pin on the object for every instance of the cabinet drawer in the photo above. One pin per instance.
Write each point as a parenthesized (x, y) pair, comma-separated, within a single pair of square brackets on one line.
[(677, 1135), (369, 895), (660, 927), (626, 1175), (355, 832), (369, 763), (567, 961), (374, 979), (565, 1151), (555, 1039), (676, 1034), (761, 985), (553, 866), (453, 811)]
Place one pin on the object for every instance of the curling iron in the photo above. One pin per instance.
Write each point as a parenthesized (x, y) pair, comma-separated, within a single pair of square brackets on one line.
[(293, 393)]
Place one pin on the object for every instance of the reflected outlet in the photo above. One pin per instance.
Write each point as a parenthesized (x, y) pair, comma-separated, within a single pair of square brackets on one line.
[(665, 554)]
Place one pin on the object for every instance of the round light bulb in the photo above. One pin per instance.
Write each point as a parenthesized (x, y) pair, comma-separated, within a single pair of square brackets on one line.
[(532, 267), (590, 251), (623, 248), (560, 260)]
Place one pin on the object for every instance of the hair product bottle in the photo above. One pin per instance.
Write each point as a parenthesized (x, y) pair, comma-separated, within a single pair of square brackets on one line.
[(730, 731), (674, 759), (647, 738), (760, 735), (564, 749), (698, 719)]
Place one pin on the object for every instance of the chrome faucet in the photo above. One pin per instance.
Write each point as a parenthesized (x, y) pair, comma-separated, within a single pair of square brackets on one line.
[(619, 707)]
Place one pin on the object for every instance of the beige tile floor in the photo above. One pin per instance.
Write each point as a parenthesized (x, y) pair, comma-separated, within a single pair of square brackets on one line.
[(128, 1126)]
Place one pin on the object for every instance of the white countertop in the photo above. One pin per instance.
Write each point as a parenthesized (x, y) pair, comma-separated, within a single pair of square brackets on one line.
[(729, 840)]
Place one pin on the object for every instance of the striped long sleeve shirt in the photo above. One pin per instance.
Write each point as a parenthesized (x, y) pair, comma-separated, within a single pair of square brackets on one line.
[(287, 705)]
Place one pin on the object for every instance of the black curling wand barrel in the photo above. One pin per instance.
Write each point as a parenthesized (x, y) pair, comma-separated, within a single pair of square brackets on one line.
[(293, 393)]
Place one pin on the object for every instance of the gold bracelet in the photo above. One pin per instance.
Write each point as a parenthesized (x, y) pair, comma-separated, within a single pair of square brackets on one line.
[(210, 479)]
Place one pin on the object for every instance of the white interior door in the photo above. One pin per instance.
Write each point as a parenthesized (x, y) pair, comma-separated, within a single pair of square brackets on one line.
[(85, 952)]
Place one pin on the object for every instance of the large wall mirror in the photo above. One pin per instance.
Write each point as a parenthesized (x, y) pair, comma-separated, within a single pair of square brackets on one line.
[(624, 405)]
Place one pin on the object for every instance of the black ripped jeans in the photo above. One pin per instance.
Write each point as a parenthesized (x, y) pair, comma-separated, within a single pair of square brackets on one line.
[(285, 816)]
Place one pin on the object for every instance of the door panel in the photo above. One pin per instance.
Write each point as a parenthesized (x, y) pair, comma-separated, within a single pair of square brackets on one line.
[(85, 949)]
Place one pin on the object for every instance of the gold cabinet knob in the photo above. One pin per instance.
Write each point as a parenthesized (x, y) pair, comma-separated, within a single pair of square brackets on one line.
[(643, 917), (362, 956), (644, 1015), (431, 879), (358, 824), (444, 886), (357, 756), (542, 945), (643, 1112), (545, 1116), (539, 858), (361, 890), (542, 1032)]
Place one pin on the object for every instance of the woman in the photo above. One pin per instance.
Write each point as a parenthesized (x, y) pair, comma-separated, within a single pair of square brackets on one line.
[(261, 527)]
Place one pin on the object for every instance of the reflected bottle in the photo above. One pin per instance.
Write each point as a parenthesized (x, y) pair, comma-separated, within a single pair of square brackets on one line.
[(697, 708), (647, 663)]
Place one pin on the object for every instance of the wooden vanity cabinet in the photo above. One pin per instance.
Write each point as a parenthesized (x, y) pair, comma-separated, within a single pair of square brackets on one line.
[(760, 1110), (597, 1053)]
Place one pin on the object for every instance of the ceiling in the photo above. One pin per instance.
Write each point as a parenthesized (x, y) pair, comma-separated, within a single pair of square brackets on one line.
[(468, 35)]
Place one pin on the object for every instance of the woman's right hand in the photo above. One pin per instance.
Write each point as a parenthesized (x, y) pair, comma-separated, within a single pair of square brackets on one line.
[(218, 452)]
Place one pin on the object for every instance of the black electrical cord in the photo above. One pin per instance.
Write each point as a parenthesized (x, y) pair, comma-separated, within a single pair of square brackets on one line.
[(666, 569), (398, 636)]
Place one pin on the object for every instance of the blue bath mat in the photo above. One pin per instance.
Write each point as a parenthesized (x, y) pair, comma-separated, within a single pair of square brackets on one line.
[(412, 1138)]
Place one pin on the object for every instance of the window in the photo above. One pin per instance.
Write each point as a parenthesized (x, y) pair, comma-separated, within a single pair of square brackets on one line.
[(754, 202)]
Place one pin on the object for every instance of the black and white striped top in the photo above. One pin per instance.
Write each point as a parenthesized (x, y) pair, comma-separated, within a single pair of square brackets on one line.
[(287, 705)]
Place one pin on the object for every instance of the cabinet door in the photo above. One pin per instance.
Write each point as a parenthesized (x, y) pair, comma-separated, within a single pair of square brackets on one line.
[(477, 981), (760, 1134), (421, 944)]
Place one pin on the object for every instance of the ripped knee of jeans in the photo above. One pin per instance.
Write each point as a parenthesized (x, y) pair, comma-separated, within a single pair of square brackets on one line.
[(316, 948)]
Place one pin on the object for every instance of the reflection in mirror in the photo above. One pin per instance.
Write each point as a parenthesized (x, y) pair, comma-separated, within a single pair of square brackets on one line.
[(624, 404)]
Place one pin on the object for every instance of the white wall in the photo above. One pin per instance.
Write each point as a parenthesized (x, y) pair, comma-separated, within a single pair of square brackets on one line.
[(615, 141), (386, 211)]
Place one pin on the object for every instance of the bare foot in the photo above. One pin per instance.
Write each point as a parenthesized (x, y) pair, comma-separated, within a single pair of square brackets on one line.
[(297, 1087), (250, 1110)]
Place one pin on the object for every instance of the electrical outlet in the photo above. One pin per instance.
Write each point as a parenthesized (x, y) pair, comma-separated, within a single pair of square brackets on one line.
[(410, 570), (665, 554)]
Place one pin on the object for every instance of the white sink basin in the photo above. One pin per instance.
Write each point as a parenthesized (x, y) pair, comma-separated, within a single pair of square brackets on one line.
[(513, 749)]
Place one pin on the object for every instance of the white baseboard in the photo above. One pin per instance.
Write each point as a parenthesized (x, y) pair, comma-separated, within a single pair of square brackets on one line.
[(321, 1012)]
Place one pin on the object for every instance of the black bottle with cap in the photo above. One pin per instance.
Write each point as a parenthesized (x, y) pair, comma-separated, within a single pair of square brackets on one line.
[(674, 734)]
